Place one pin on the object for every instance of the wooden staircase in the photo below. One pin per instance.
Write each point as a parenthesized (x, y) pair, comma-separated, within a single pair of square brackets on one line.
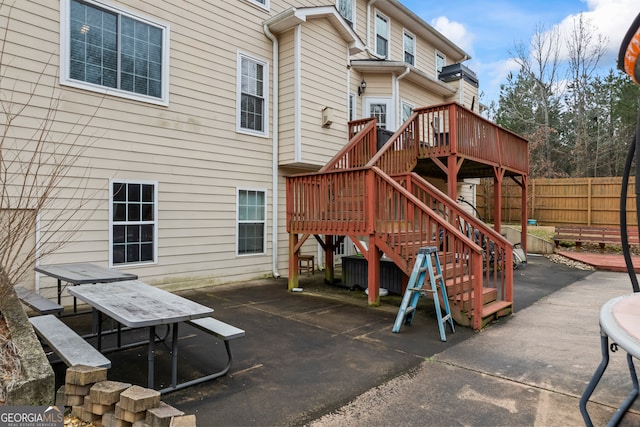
[(373, 195)]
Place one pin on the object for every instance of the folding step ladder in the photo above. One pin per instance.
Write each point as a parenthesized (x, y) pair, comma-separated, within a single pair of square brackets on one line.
[(425, 263)]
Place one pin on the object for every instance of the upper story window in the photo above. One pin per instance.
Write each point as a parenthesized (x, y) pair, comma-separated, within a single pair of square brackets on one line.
[(382, 35), (134, 226), (252, 105), (409, 44), (441, 61), (345, 7), (106, 49), (262, 3)]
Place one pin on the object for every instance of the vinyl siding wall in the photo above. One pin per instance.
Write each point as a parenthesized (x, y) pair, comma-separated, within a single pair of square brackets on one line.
[(190, 148)]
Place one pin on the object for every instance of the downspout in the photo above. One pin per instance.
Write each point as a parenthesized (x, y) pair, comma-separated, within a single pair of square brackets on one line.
[(274, 154), (396, 94)]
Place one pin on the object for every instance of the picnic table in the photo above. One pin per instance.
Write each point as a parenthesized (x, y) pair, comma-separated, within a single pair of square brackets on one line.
[(135, 304), (82, 273)]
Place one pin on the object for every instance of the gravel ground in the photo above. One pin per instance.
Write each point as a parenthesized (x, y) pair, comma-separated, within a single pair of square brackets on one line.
[(559, 259)]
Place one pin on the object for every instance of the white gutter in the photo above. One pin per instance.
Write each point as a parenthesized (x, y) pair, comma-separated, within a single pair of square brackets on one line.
[(274, 154)]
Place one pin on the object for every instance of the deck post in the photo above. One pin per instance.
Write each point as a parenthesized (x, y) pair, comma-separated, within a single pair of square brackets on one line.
[(294, 261), (373, 272), (497, 199), (329, 269), (523, 209)]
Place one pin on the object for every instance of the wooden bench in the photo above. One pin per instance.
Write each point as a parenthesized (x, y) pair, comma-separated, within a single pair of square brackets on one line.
[(594, 234), (69, 346), (221, 330), (37, 302)]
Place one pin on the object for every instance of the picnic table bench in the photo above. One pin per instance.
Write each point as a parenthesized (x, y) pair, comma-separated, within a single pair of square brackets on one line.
[(593, 234), (69, 346), (37, 302)]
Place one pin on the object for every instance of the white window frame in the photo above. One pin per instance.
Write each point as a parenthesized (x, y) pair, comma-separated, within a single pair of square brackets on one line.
[(387, 37), (353, 11), (404, 104), (351, 108), (265, 96), (444, 62), (389, 125), (238, 222), (65, 53), (265, 4), (406, 34), (113, 181)]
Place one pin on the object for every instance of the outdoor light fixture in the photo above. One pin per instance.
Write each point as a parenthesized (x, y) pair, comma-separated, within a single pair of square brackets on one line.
[(362, 87)]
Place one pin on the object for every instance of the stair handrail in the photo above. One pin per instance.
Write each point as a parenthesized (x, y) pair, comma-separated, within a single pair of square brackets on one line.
[(361, 146), (500, 250), (468, 254), (417, 203), (441, 197), (400, 153)]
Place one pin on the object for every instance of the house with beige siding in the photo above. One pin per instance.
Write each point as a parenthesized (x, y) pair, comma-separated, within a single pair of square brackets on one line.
[(190, 115)]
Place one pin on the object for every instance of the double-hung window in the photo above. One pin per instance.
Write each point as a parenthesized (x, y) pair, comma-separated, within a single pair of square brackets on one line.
[(409, 43), (252, 96), (110, 50), (382, 35), (134, 226), (252, 221), (345, 7)]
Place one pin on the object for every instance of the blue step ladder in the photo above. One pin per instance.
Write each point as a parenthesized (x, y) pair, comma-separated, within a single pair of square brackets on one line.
[(425, 261)]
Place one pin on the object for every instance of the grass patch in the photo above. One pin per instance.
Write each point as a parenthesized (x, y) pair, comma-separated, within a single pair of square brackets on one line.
[(540, 231)]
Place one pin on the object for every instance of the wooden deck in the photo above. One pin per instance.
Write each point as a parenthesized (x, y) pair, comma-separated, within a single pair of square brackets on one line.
[(374, 195)]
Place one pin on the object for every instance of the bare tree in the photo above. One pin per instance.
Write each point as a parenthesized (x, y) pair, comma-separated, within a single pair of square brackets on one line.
[(585, 49), (540, 62), (37, 153)]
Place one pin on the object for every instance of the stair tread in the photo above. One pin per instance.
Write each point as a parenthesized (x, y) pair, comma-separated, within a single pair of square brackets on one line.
[(494, 307), (466, 296)]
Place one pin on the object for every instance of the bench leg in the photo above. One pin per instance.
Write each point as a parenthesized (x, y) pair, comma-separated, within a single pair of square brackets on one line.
[(220, 373), (151, 356), (174, 356)]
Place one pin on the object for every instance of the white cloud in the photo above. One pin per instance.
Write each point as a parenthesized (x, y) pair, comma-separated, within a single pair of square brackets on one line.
[(609, 18), (495, 74), (454, 31)]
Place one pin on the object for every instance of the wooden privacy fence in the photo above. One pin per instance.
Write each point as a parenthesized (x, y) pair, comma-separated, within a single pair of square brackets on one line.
[(579, 201)]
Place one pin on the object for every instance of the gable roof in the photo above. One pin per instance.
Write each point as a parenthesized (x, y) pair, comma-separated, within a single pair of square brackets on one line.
[(288, 19)]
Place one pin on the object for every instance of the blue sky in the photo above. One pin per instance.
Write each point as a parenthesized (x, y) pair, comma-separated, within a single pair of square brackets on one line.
[(489, 29)]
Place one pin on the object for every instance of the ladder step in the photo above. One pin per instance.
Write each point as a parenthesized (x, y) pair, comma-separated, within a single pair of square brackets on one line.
[(426, 261)]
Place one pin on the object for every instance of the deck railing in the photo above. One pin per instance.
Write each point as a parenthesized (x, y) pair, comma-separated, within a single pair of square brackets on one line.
[(366, 201), (360, 148), (452, 129), (497, 250)]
